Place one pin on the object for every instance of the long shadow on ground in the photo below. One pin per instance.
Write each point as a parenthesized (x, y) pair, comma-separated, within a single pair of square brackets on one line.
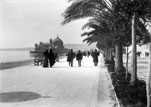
[(9, 65), (18, 96)]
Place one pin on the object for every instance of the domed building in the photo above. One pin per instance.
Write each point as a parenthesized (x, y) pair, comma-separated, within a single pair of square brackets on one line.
[(57, 43)]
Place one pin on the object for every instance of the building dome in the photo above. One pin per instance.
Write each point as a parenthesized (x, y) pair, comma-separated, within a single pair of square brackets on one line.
[(57, 42)]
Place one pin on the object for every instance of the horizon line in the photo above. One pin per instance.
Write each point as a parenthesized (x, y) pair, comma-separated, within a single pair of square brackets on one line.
[(34, 47)]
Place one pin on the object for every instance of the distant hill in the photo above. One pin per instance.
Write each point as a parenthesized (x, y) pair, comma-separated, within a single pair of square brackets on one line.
[(18, 49), (80, 46), (68, 46)]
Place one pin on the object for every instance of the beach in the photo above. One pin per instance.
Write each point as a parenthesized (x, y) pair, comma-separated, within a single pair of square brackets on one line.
[(9, 65), (11, 58)]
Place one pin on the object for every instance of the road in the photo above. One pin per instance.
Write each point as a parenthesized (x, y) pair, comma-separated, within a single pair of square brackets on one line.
[(59, 86)]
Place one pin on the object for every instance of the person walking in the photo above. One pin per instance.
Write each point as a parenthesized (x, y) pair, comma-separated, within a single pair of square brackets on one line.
[(51, 57), (70, 57), (95, 55), (88, 53), (79, 57), (45, 61)]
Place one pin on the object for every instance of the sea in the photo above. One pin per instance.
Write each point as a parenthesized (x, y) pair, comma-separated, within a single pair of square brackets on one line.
[(14, 55)]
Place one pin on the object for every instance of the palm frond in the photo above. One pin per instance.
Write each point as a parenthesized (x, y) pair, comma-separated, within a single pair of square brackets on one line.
[(82, 9)]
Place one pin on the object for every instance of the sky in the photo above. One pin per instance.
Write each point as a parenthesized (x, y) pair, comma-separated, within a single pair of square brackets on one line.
[(26, 22)]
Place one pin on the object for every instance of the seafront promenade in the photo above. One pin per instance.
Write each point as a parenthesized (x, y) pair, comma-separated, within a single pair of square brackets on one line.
[(59, 86)]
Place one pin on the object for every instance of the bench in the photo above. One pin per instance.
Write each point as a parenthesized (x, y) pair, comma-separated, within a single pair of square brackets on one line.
[(38, 61)]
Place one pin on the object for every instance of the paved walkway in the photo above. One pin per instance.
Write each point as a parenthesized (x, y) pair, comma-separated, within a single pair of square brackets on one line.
[(60, 86)]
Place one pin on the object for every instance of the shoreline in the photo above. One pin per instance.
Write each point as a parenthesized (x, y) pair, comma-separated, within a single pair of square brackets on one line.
[(14, 64)]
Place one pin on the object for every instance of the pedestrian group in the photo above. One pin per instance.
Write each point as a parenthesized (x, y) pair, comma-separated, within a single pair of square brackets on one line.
[(50, 57), (79, 56)]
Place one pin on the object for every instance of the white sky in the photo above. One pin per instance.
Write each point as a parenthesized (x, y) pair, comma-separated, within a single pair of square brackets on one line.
[(26, 22)]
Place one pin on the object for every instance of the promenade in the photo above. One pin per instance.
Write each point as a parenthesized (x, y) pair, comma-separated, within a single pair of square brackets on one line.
[(59, 86)]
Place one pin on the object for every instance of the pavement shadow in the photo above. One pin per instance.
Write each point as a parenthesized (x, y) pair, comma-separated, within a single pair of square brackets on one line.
[(19, 96)]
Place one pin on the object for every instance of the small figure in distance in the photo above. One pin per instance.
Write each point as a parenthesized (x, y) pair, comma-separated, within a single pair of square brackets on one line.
[(79, 57), (95, 55), (51, 57), (56, 57), (84, 53), (88, 53), (45, 61), (70, 57)]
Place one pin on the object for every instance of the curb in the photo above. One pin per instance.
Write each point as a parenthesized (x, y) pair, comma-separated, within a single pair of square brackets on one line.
[(117, 102)]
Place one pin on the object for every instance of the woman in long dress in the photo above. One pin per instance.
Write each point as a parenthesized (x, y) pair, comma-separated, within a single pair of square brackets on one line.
[(45, 62)]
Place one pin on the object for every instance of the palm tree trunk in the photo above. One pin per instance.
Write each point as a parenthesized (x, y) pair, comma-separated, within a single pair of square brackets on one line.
[(106, 53), (148, 82), (119, 57), (127, 57), (134, 58)]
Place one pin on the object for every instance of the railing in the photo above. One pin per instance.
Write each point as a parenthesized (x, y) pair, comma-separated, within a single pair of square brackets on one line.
[(38, 61), (38, 56)]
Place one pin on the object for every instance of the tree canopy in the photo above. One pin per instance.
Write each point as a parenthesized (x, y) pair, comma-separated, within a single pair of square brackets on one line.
[(112, 16)]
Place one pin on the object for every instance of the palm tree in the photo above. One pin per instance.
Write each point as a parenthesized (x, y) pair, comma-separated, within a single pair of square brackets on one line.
[(136, 10), (97, 9), (148, 80), (118, 11), (110, 10), (104, 36), (101, 34), (84, 9)]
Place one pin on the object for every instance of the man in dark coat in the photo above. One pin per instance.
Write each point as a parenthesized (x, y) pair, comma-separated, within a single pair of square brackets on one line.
[(51, 57), (70, 57), (79, 57), (95, 55)]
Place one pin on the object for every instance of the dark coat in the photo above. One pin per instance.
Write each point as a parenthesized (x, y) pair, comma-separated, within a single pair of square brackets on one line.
[(51, 57), (95, 56), (45, 62), (70, 56), (79, 56)]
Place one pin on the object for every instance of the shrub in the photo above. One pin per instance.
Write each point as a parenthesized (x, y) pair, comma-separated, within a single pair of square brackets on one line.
[(107, 61), (131, 96)]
